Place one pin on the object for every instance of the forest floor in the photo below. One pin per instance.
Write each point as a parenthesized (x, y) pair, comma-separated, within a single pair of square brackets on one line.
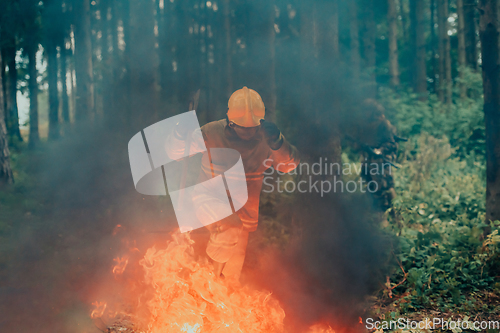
[(487, 302)]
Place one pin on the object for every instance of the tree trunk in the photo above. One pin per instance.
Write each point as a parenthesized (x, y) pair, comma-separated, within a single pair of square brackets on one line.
[(4, 88), (185, 39), (404, 19), (12, 111), (309, 76), (142, 62), (328, 26), (216, 40), (447, 44), (83, 62), (202, 44), (108, 63), (126, 100), (95, 42), (64, 83), (418, 48), (114, 34), (115, 63), (63, 64), (270, 95), (51, 51), (433, 47), (354, 43), (489, 34), (392, 16), (229, 48), (470, 33), (369, 39), (6, 176), (165, 50), (445, 87), (72, 95), (308, 60), (261, 54), (461, 46), (34, 135)]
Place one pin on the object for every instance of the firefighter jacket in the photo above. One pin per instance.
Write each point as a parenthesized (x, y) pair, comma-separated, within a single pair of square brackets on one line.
[(256, 156)]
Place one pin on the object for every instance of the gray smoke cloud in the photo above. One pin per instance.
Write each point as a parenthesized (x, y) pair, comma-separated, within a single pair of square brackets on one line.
[(338, 258)]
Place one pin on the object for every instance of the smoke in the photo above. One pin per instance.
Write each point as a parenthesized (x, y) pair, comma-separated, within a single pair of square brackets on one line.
[(59, 256), (61, 251), (329, 268)]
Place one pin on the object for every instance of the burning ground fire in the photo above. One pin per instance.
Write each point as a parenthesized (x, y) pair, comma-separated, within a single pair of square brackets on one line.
[(185, 296)]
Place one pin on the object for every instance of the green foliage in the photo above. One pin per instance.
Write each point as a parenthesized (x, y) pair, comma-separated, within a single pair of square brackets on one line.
[(439, 220), (462, 122)]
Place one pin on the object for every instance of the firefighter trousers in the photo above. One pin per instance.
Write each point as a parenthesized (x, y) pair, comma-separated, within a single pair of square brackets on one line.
[(232, 269)]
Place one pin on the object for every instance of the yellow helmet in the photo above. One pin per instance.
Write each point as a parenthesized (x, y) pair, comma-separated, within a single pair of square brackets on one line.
[(246, 108)]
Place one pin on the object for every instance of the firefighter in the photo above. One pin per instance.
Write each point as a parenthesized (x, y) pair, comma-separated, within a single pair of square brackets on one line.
[(260, 144), (379, 143), (378, 173)]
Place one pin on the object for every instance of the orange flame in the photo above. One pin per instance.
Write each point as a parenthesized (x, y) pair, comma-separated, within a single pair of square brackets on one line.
[(321, 328), (100, 307), (121, 264), (188, 297)]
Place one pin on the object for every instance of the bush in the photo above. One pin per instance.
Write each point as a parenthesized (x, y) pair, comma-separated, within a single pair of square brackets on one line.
[(462, 122), (439, 221)]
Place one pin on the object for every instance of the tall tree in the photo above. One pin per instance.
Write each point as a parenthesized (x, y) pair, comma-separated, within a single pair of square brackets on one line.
[(31, 33), (354, 38), (143, 62), (308, 60), (217, 79), (489, 34), (34, 135), (185, 45), (445, 84), (228, 45), (12, 108), (470, 35), (52, 70), (64, 81), (403, 8), (11, 26), (52, 36), (418, 48), (433, 46), (166, 49), (83, 61), (6, 176), (392, 19), (461, 45), (107, 63), (4, 80), (126, 84), (369, 44), (261, 53), (115, 57), (64, 53), (329, 88)]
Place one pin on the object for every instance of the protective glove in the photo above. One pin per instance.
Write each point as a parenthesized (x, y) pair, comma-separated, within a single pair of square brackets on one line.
[(272, 134), (232, 221), (183, 129)]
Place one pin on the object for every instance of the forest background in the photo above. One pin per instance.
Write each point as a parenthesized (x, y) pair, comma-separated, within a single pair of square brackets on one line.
[(80, 77)]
